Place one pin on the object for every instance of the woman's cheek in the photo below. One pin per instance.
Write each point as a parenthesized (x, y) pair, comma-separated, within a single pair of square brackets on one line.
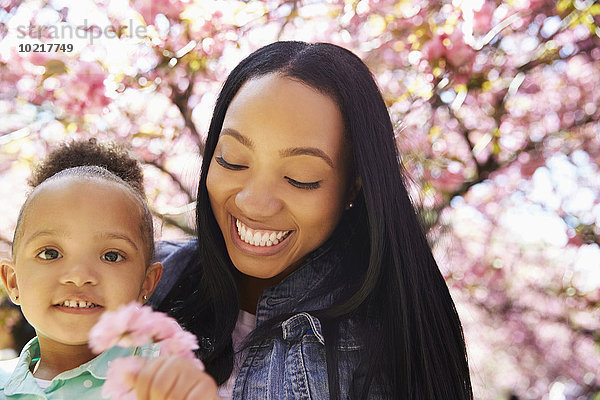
[(211, 178)]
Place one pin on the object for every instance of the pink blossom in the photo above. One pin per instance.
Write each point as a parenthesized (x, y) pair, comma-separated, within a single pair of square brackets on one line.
[(434, 48), (130, 325), (121, 372), (86, 94), (181, 343), (163, 327), (149, 9), (482, 19), (137, 325), (8, 4), (457, 52), (453, 48)]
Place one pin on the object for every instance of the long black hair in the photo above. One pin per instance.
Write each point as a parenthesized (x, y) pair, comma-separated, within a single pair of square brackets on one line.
[(414, 344)]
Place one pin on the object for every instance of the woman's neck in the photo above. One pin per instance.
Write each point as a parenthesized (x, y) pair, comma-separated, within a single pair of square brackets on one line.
[(251, 288), (56, 358)]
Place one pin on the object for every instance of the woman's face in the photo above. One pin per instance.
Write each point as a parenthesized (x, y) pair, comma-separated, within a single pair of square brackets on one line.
[(278, 180)]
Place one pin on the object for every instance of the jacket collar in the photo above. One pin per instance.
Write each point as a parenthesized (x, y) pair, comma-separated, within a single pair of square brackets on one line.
[(302, 288)]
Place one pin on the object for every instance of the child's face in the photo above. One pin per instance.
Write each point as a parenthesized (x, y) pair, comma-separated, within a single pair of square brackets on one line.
[(81, 252)]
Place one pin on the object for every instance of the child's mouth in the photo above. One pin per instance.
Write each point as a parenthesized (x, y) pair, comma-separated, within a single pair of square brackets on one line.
[(77, 304)]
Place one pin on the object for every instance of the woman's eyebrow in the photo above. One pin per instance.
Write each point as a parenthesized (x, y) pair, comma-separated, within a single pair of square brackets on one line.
[(306, 151), (290, 152), (239, 137)]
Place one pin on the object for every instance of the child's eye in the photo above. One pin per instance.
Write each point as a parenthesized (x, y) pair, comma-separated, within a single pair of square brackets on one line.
[(221, 161), (303, 185), (49, 254), (112, 256)]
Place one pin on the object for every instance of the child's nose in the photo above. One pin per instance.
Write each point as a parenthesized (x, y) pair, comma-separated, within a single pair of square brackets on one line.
[(79, 274)]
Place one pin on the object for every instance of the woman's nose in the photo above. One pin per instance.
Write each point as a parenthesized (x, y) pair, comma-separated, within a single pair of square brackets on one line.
[(79, 274), (258, 199)]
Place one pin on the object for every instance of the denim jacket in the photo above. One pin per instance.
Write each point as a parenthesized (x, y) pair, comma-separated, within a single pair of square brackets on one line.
[(293, 366)]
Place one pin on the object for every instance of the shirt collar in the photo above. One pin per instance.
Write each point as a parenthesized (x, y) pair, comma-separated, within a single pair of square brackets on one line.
[(22, 380), (98, 366)]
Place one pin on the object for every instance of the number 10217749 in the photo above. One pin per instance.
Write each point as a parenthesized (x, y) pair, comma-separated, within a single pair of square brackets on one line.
[(45, 47)]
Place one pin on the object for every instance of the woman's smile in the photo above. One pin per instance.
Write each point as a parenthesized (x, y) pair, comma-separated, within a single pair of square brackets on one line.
[(259, 242)]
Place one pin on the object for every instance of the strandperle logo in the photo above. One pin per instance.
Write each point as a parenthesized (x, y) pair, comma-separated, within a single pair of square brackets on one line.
[(91, 32)]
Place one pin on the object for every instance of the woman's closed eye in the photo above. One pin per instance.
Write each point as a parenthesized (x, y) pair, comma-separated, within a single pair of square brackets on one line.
[(235, 167), (303, 185), (112, 256), (49, 254), (221, 161)]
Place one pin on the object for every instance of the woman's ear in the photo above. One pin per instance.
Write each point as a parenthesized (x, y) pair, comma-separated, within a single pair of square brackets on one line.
[(354, 189), (9, 279), (153, 275)]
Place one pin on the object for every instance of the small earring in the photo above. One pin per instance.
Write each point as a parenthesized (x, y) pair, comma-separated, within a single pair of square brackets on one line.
[(350, 205), (145, 297)]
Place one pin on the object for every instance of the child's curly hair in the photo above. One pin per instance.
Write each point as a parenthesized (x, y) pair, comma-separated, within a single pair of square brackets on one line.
[(78, 153)]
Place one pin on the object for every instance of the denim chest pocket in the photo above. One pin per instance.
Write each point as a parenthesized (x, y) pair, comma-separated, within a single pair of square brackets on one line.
[(294, 365), (305, 362)]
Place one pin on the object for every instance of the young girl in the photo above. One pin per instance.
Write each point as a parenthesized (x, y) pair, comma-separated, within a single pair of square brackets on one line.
[(306, 231), (83, 244)]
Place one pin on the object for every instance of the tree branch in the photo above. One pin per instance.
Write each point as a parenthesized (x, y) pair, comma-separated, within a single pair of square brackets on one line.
[(173, 222), (181, 101), (175, 179), (490, 167), (510, 306)]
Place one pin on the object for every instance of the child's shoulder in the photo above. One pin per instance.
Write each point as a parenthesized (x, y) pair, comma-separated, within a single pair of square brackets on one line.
[(6, 369)]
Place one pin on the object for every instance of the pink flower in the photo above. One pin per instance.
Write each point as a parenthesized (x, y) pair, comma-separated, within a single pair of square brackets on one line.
[(181, 343), (137, 325), (86, 90), (482, 18), (149, 9), (8, 5), (434, 48), (163, 327), (460, 56), (130, 325), (121, 372)]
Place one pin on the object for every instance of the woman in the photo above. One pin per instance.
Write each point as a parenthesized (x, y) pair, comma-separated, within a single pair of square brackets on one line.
[(305, 228)]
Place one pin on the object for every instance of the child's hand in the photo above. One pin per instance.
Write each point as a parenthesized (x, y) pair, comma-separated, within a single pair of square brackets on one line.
[(174, 378)]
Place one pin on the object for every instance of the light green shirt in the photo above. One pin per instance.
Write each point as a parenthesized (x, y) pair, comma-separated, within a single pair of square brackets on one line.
[(81, 383)]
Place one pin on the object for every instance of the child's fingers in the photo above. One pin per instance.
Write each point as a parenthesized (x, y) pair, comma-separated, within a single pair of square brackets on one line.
[(174, 378), (202, 392), (169, 382), (144, 381)]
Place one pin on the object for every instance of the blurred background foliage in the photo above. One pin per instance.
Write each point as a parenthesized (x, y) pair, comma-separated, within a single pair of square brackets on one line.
[(497, 110)]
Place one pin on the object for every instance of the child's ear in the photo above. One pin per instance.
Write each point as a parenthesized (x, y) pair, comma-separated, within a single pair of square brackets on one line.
[(153, 274), (9, 279)]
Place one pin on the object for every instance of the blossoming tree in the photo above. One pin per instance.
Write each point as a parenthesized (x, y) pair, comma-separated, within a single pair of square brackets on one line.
[(497, 112)]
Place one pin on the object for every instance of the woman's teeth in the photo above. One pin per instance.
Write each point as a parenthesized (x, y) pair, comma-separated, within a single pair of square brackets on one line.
[(259, 237), (77, 304)]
